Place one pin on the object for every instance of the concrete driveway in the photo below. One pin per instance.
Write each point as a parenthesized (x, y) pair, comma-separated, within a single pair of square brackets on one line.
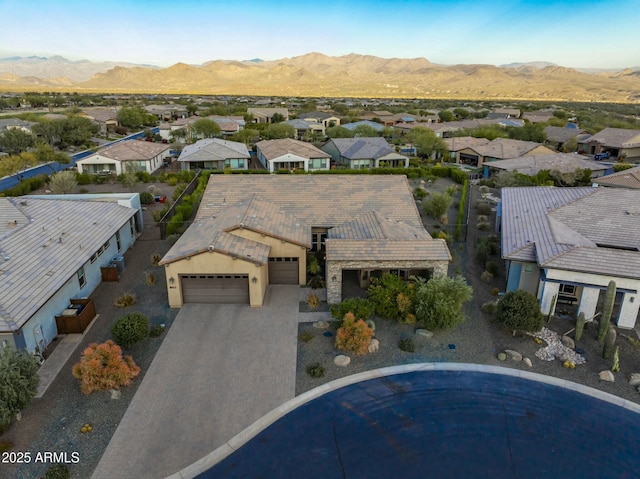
[(220, 368)]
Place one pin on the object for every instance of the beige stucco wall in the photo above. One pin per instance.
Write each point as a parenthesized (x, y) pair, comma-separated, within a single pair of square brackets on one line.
[(216, 263), (279, 249)]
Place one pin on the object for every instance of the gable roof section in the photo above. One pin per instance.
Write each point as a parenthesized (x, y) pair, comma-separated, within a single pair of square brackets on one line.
[(625, 179), (132, 150), (562, 162), (317, 115), (505, 148), (272, 149), (213, 231), (212, 149), (318, 200), (373, 225), (50, 242), (362, 148), (355, 124), (458, 143), (562, 134), (578, 229), (616, 138)]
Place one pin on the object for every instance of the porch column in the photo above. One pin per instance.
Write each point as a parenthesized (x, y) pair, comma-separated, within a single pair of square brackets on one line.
[(334, 282), (589, 301), (550, 289), (440, 268), (629, 311)]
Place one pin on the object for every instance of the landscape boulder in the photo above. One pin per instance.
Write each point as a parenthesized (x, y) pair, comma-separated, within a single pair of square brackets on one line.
[(341, 360)]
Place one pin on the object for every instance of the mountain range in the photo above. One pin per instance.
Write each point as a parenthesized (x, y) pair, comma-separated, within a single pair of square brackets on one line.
[(319, 75)]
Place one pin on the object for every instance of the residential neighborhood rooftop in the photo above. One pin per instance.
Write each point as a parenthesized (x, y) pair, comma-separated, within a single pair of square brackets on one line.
[(43, 242), (562, 162), (624, 179), (362, 148), (271, 149), (133, 150), (211, 149)]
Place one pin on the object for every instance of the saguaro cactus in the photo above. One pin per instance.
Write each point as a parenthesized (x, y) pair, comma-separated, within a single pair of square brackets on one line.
[(607, 309), (609, 343), (580, 326)]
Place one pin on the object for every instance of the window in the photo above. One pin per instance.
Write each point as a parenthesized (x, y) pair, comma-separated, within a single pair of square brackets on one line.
[(318, 163), (131, 226), (94, 257), (118, 242), (105, 246), (234, 163), (81, 278), (567, 289)]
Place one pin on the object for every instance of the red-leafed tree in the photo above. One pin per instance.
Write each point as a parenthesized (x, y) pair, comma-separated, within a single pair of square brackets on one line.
[(102, 367)]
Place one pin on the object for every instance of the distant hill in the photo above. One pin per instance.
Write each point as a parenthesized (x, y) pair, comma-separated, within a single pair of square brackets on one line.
[(353, 75), (57, 66)]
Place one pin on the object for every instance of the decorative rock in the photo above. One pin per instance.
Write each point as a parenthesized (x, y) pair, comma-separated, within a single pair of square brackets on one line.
[(555, 348), (502, 356), (374, 345), (425, 333), (634, 379), (341, 360), (115, 394), (607, 376), (321, 325), (568, 342), (527, 361), (515, 355)]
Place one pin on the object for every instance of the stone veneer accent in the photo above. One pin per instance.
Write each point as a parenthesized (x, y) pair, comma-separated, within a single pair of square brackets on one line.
[(334, 269)]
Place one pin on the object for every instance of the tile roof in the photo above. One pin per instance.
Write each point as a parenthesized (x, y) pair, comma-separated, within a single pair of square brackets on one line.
[(50, 241), (505, 148), (569, 228), (212, 149), (461, 142), (355, 124), (318, 200), (375, 217), (272, 149), (387, 250), (561, 134), (268, 112), (214, 228), (563, 162), (362, 148), (616, 138), (318, 115), (133, 150), (625, 179)]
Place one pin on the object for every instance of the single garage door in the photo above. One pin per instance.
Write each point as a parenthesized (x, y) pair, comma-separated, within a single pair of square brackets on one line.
[(229, 289), (283, 270)]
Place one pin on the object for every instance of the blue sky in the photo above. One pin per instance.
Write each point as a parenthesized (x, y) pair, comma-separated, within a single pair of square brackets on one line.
[(585, 33)]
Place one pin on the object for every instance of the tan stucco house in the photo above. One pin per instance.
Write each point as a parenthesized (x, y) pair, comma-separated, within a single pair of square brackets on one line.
[(118, 158), (255, 230)]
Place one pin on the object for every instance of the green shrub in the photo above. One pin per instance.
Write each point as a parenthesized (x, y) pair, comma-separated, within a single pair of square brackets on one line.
[(520, 311), (175, 224), (18, 383), (361, 308), (437, 205), (156, 330), (305, 336), (438, 302), (130, 329), (419, 193), (315, 370), (158, 214), (493, 268), (172, 181), (383, 295), (57, 471), (483, 225), (146, 198), (407, 345), (489, 307), (126, 300), (483, 208), (458, 176), (486, 277), (84, 178)]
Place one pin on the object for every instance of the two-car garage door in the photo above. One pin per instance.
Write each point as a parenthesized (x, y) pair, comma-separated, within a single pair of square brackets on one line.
[(227, 289)]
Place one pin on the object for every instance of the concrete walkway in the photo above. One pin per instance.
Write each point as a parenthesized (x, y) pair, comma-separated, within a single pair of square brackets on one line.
[(220, 368)]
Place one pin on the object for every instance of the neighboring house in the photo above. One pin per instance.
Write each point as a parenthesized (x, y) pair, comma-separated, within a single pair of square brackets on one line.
[(214, 154), (539, 116), (306, 129), (504, 113), (51, 251), (229, 125), (458, 143), (166, 128), (617, 142), (502, 149), (356, 153), (105, 118), (265, 115), (167, 112), (376, 126), (623, 179), (15, 124), (120, 157), (558, 136), (568, 243), (290, 154), (532, 164), (255, 230), (327, 119), (386, 118)]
